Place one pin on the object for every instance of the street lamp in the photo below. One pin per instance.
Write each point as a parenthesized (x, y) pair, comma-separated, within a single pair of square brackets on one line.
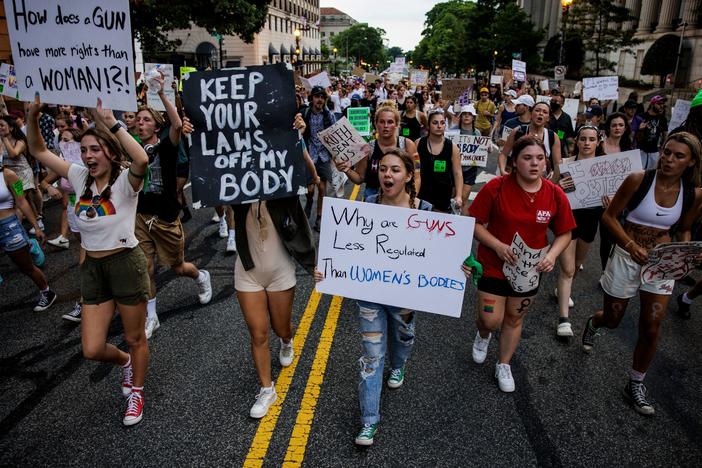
[(565, 6), (297, 34), (335, 51)]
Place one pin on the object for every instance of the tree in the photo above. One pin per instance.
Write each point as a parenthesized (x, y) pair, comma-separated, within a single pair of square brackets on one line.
[(324, 49), (592, 21), (661, 57), (573, 54), (395, 52), (362, 42), (152, 19), (446, 38)]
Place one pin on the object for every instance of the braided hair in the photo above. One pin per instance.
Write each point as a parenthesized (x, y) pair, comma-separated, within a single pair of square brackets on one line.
[(113, 150), (408, 162)]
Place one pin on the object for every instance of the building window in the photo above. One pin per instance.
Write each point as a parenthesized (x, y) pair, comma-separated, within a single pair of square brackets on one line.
[(323, 33)]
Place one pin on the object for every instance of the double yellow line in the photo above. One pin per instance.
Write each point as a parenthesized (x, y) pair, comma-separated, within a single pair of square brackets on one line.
[(297, 445)]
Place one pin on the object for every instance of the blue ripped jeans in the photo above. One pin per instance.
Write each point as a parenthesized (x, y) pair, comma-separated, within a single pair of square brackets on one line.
[(391, 326)]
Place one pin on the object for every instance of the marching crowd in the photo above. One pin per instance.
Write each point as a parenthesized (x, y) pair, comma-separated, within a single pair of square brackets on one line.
[(123, 201)]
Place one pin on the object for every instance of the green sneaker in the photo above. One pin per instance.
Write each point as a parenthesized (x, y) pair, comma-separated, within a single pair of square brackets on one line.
[(397, 378), (366, 434)]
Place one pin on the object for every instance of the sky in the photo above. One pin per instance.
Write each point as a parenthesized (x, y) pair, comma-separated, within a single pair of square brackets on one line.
[(402, 20)]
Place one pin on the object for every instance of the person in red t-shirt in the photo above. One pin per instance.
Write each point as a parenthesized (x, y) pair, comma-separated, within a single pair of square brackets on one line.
[(523, 203)]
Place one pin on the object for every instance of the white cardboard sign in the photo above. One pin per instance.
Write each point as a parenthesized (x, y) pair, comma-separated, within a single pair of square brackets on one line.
[(397, 256), (320, 79), (542, 98), (604, 88), (496, 79), (8, 76), (419, 77), (671, 261), (523, 276), (679, 113), (344, 142), (596, 177), (152, 96), (473, 149), (70, 150), (73, 52), (518, 70), (570, 107)]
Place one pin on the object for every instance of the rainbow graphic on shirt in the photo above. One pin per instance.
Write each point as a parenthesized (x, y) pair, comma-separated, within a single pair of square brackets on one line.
[(103, 208)]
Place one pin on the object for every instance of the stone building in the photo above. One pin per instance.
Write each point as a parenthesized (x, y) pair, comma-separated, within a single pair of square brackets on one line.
[(332, 22)]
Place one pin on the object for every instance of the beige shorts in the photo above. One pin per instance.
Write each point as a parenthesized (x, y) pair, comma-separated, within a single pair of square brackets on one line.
[(622, 278), (160, 238), (260, 279)]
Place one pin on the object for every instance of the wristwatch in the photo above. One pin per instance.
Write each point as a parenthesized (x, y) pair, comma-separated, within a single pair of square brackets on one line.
[(115, 128)]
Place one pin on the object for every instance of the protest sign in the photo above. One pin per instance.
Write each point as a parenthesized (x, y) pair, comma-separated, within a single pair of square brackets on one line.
[(344, 142), (306, 83), (542, 98), (244, 147), (496, 80), (320, 79), (678, 113), (358, 71), (518, 70), (183, 72), (595, 177), (671, 261), (400, 61), (570, 107), (370, 78), (70, 151), (603, 88), (506, 132), (360, 119), (452, 89), (73, 52), (473, 149), (543, 84), (419, 77), (523, 276), (553, 84), (395, 78), (9, 81), (396, 256), (152, 96)]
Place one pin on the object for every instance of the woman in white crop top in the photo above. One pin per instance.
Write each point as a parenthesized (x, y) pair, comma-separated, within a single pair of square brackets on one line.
[(677, 178), (114, 273)]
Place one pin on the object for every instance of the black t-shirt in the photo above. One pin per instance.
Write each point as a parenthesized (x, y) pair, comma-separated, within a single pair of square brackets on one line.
[(649, 138), (159, 197), (437, 175)]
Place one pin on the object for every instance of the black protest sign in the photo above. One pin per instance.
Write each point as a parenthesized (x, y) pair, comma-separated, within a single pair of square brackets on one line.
[(244, 147)]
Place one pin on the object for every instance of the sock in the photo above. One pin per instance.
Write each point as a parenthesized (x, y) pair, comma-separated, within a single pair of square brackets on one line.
[(269, 389), (687, 300), (200, 277), (563, 320), (636, 375), (231, 234), (151, 309), (129, 361), (138, 389)]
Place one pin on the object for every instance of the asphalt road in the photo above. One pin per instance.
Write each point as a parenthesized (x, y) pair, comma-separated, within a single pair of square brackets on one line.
[(58, 409)]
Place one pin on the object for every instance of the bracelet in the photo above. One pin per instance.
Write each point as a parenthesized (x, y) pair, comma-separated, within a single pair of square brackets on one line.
[(631, 241)]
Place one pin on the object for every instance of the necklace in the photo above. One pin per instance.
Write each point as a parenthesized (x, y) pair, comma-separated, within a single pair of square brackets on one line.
[(431, 151), (531, 196)]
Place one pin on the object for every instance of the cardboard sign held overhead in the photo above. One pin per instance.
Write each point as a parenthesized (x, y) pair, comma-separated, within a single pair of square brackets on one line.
[(419, 77), (358, 71), (452, 89), (320, 79), (152, 96), (359, 117), (604, 88), (73, 52), (519, 70), (344, 143)]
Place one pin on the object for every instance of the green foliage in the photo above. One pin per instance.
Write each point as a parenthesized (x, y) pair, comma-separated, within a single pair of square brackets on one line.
[(152, 19), (364, 43), (395, 52), (324, 49), (592, 21)]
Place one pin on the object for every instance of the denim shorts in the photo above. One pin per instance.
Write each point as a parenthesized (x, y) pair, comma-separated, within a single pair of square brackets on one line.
[(12, 235)]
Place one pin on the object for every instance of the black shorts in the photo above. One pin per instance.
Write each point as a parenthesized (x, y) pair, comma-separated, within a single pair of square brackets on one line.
[(587, 220), (324, 171), (183, 170), (469, 175), (501, 287)]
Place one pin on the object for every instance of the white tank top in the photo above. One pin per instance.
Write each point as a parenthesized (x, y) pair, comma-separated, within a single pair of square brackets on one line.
[(650, 213), (7, 201)]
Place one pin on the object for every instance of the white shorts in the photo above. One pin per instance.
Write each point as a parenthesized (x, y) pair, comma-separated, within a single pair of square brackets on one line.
[(71, 217), (622, 278)]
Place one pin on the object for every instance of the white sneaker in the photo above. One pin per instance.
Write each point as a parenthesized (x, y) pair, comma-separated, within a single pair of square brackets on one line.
[(152, 324), (480, 347), (215, 218), (564, 329), (40, 222), (205, 288), (59, 241), (265, 398), (503, 374), (570, 299), (223, 229), (231, 245), (286, 353)]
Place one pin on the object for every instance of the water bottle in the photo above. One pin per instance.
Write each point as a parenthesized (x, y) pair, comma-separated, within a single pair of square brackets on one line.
[(37, 254), (149, 76)]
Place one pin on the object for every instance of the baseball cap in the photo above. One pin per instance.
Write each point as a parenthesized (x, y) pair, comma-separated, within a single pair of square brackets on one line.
[(318, 90), (524, 99), (657, 99), (511, 92), (697, 101), (484, 90), (593, 111)]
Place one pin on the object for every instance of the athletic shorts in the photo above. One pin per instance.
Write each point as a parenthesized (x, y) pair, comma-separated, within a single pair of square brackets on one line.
[(469, 175), (501, 287), (161, 238), (622, 278), (324, 171), (183, 170), (122, 277), (586, 220), (12, 235)]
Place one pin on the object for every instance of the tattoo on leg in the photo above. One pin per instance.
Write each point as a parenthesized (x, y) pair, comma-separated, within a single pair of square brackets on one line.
[(522, 308), (489, 306)]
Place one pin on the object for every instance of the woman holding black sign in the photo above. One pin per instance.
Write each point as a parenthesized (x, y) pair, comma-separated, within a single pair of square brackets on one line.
[(525, 204), (661, 203)]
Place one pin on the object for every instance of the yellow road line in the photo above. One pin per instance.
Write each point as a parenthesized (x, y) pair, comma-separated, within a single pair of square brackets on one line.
[(264, 433), (303, 424)]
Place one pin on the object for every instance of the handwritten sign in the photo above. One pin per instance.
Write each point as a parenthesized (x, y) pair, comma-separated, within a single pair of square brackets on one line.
[(506, 132), (244, 148), (397, 256), (496, 80), (602, 87), (73, 52), (360, 119), (570, 107), (152, 96), (70, 150), (543, 84), (419, 77), (9, 80), (542, 98), (474, 149), (452, 89), (518, 70), (671, 261), (400, 61), (678, 114), (344, 142), (320, 79), (370, 78), (358, 71), (596, 177), (523, 276)]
